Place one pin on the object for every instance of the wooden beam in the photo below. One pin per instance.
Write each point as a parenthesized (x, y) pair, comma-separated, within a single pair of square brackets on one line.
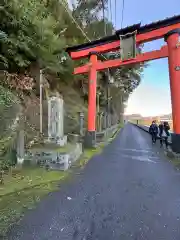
[(140, 38), (144, 57)]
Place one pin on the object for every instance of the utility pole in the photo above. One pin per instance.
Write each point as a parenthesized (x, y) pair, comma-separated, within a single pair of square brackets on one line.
[(98, 111), (103, 7), (41, 110), (122, 109), (107, 103)]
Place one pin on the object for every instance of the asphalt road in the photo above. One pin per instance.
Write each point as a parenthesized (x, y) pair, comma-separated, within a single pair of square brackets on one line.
[(130, 191)]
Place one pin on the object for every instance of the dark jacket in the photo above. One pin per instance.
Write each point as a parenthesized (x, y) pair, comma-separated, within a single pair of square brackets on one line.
[(166, 128), (153, 129)]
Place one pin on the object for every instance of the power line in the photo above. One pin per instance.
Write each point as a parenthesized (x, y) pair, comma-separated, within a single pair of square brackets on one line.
[(110, 10), (107, 11), (103, 9), (115, 13), (76, 23), (74, 20), (122, 13)]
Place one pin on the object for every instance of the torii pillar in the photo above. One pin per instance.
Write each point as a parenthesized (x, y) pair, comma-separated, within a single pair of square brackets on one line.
[(173, 39), (90, 137)]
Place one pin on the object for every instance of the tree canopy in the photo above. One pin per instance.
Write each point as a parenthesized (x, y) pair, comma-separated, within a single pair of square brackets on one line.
[(40, 30)]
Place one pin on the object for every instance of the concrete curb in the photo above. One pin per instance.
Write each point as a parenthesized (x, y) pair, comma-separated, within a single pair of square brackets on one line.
[(101, 136)]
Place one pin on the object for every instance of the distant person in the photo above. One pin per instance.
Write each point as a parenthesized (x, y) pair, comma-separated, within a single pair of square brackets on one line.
[(164, 133), (153, 130)]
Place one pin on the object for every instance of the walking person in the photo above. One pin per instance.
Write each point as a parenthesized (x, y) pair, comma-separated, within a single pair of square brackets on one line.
[(164, 133), (153, 130)]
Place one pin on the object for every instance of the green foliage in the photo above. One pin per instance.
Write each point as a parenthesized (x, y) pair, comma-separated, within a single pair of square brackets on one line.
[(23, 188), (97, 28), (8, 159), (6, 98), (8, 111), (88, 11), (31, 35), (38, 31)]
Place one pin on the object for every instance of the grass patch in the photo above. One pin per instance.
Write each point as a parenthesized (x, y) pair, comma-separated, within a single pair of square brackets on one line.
[(173, 159), (89, 153), (22, 190), (115, 133), (175, 162), (28, 178), (52, 147)]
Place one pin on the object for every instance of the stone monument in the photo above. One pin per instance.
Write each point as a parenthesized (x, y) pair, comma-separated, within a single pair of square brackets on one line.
[(56, 121), (56, 153)]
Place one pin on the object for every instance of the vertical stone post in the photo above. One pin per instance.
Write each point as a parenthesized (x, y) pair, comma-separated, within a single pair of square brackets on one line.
[(81, 123), (20, 147), (90, 138)]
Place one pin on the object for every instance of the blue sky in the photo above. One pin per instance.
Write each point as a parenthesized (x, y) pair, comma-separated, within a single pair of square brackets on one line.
[(152, 97)]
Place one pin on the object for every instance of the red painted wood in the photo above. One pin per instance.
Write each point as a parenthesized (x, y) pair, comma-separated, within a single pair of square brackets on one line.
[(162, 53), (140, 38), (174, 61), (92, 94)]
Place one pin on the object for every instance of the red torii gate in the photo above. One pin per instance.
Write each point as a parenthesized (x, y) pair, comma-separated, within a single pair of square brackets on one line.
[(169, 29)]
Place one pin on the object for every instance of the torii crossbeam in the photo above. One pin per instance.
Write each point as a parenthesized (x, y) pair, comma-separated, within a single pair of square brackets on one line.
[(169, 29)]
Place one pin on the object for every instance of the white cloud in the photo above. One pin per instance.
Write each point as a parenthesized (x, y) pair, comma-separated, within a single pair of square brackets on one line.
[(150, 100)]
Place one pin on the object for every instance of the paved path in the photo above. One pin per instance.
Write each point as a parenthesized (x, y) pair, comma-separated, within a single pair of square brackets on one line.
[(130, 191)]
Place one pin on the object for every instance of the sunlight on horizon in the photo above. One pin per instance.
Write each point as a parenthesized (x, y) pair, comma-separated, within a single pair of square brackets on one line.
[(149, 100)]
